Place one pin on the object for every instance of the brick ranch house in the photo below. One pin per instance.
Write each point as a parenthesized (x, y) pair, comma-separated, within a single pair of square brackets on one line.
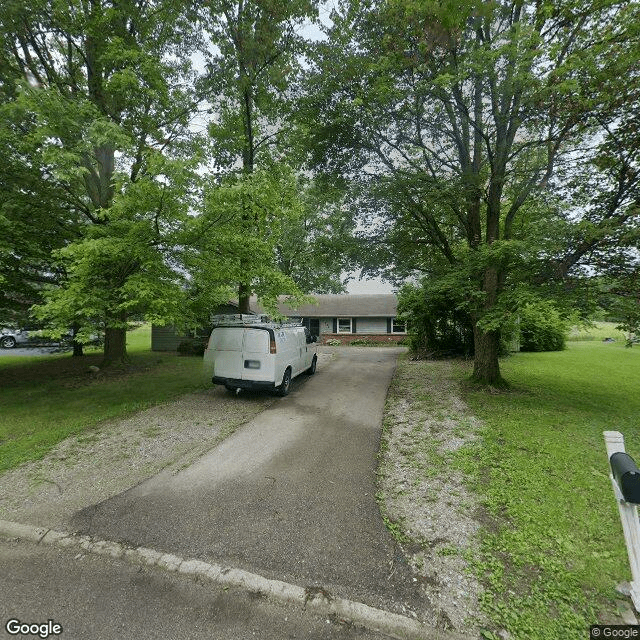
[(349, 317), (343, 317)]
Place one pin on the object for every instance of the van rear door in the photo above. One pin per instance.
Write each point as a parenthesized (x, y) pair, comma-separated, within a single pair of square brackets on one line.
[(226, 346), (257, 364)]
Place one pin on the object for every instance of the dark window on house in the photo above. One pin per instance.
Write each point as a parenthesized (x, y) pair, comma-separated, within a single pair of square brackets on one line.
[(344, 325), (313, 324), (398, 327)]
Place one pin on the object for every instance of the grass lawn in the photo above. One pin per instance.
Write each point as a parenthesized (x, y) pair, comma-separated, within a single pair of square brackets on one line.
[(599, 332), (552, 549), (44, 399)]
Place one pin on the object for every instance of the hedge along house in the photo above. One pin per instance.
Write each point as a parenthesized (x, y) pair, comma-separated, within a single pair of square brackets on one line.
[(350, 317), (343, 317)]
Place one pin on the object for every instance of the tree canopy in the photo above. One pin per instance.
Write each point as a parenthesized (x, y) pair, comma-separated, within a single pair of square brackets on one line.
[(491, 146), (475, 131), (103, 110), (252, 60)]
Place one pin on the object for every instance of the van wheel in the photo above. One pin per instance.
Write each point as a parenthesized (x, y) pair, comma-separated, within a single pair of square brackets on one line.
[(283, 389), (312, 369)]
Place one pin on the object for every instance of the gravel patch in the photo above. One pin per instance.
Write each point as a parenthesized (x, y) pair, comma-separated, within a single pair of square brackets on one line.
[(102, 462), (423, 499), (116, 455)]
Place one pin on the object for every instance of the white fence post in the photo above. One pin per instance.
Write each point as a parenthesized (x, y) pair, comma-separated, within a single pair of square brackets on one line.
[(614, 441)]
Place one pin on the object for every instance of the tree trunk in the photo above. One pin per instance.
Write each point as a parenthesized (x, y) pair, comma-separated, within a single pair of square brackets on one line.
[(115, 342), (486, 367), (246, 97), (244, 294), (77, 346)]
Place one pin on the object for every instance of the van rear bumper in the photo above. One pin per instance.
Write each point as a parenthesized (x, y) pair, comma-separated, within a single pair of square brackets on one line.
[(244, 384)]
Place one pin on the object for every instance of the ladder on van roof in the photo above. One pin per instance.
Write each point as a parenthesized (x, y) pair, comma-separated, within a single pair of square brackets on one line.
[(249, 319)]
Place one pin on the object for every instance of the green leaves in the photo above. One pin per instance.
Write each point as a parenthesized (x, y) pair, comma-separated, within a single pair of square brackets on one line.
[(468, 121), (234, 239), (100, 128), (252, 61)]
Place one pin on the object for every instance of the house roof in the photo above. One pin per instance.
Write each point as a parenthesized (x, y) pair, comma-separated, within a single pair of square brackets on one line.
[(344, 305)]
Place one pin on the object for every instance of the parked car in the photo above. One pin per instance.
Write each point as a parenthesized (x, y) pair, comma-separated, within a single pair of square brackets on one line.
[(31, 336), (245, 352), (28, 336)]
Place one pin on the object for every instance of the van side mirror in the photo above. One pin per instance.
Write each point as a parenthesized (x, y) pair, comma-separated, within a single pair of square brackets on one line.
[(314, 338)]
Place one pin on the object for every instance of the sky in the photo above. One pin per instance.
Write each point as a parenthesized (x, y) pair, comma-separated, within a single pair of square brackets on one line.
[(375, 285)]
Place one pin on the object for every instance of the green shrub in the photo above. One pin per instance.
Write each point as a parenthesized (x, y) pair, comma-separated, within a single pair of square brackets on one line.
[(334, 342), (362, 342), (192, 347), (542, 328), (437, 323)]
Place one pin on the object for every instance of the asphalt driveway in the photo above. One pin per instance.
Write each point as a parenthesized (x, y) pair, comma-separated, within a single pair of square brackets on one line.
[(291, 495)]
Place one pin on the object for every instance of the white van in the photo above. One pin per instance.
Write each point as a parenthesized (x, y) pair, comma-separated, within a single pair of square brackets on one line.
[(245, 352)]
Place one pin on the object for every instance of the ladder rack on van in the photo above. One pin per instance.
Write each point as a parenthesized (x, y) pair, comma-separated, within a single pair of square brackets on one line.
[(249, 319), (238, 319)]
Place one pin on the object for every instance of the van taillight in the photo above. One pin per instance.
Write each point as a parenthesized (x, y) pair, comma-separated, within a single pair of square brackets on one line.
[(272, 345)]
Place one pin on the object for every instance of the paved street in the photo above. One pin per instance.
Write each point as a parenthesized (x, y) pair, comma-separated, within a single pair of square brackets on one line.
[(32, 351), (97, 598)]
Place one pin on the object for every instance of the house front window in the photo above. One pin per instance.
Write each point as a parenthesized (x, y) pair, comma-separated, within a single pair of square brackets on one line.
[(344, 325), (397, 326)]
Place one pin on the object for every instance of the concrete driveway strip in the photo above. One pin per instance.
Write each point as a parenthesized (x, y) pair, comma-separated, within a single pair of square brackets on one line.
[(289, 496)]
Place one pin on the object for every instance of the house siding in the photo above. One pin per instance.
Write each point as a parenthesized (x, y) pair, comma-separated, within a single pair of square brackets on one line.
[(165, 338), (326, 326), (359, 326)]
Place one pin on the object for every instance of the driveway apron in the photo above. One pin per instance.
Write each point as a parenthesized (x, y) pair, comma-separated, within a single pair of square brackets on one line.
[(290, 495)]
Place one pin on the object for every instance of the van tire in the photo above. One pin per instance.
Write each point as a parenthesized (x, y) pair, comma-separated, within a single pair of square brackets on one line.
[(312, 369), (283, 389)]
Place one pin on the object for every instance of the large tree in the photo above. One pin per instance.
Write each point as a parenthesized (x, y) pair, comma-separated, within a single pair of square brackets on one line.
[(462, 115), (105, 105), (252, 60)]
